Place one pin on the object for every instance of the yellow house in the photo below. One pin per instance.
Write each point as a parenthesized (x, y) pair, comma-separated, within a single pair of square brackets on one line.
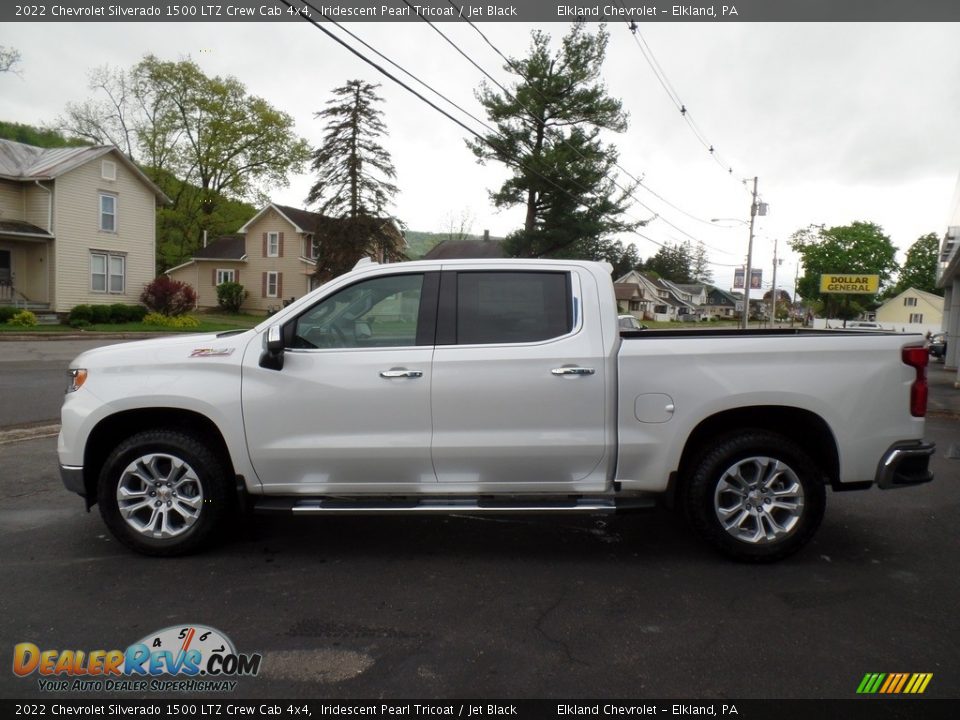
[(912, 307), (272, 256), (77, 226)]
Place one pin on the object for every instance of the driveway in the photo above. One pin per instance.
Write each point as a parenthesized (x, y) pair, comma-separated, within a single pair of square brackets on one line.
[(629, 606)]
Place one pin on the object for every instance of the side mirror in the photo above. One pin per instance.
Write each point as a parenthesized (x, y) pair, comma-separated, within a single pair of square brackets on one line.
[(272, 356)]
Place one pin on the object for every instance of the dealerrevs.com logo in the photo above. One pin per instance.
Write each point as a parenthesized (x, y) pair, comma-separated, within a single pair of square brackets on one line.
[(184, 658)]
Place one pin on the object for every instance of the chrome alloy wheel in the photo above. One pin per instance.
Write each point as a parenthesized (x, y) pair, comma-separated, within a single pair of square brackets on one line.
[(159, 496), (759, 500)]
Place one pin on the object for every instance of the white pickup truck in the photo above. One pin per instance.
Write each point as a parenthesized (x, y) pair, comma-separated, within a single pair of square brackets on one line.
[(489, 387)]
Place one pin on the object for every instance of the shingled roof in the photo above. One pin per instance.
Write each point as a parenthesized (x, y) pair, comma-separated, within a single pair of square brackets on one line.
[(18, 227), (311, 222), (225, 247)]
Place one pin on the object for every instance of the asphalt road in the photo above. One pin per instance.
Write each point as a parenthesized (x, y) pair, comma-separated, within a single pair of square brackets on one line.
[(33, 376), (625, 607)]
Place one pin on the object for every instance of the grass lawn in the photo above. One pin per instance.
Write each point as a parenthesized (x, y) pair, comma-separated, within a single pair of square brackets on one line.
[(209, 322)]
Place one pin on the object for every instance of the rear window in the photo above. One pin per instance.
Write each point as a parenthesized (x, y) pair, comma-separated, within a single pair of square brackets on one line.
[(512, 307)]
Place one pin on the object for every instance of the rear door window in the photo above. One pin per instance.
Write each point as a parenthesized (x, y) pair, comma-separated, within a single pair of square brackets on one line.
[(512, 307)]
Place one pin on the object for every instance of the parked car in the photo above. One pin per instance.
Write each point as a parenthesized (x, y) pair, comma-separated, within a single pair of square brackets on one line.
[(937, 347), (629, 322), (489, 386)]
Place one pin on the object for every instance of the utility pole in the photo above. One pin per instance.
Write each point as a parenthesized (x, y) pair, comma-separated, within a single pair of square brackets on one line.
[(773, 296), (793, 309), (747, 278)]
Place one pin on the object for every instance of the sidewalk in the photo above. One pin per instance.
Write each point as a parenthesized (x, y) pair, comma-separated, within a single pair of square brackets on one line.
[(944, 395)]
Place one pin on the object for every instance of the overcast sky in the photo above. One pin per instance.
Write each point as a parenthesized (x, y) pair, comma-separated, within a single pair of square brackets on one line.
[(840, 122)]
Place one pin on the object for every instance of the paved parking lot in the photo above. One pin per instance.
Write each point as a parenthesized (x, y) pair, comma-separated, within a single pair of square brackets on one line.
[(629, 606)]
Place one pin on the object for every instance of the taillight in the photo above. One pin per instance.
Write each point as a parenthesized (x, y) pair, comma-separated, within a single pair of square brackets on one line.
[(916, 357)]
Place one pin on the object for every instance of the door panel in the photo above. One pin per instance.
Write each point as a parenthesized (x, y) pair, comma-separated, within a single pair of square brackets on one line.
[(503, 419), (350, 409)]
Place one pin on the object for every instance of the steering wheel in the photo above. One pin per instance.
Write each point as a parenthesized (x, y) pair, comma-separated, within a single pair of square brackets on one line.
[(341, 336)]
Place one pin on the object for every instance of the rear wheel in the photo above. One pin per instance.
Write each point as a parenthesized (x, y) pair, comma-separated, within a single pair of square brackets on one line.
[(755, 496), (162, 492)]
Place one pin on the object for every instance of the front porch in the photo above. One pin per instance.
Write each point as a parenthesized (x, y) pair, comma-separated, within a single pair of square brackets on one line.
[(26, 267)]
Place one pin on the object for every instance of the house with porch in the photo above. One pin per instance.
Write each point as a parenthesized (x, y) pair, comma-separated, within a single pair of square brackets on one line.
[(77, 226), (274, 256), (722, 305), (663, 300)]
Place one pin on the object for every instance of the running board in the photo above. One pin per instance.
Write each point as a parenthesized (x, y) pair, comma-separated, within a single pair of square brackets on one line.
[(446, 505)]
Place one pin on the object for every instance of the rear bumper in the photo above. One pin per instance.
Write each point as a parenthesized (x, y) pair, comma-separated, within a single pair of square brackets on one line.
[(905, 463), (73, 479)]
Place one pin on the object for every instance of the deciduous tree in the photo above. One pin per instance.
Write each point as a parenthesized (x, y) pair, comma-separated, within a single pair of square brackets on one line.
[(860, 248), (9, 59), (202, 139), (920, 269)]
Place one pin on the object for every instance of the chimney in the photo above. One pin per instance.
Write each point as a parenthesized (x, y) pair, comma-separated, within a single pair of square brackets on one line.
[(486, 236)]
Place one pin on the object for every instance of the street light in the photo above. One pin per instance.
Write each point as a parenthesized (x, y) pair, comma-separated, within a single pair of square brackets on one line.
[(755, 209)]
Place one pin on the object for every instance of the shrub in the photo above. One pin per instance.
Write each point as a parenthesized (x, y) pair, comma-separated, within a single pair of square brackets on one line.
[(24, 318), (6, 312), (179, 321), (120, 313), (169, 297), (80, 316), (230, 296), (100, 314)]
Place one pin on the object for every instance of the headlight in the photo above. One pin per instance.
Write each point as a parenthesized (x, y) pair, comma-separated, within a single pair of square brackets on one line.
[(75, 379)]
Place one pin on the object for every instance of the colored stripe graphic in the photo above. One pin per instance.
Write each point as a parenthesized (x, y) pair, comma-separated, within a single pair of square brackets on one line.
[(894, 683)]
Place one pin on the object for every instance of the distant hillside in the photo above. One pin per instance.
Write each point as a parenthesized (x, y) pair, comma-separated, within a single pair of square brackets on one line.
[(422, 242), (38, 137)]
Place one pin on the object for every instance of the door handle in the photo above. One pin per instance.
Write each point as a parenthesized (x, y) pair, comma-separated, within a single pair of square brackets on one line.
[(400, 373), (573, 371)]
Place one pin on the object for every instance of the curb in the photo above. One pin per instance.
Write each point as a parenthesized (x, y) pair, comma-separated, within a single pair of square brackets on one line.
[(33, 432)]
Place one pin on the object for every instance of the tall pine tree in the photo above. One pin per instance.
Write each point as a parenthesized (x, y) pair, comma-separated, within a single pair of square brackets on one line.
[(354, 183), (547, 133)]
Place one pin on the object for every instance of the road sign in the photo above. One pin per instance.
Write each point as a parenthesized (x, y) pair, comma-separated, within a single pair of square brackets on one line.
[(856, 284)]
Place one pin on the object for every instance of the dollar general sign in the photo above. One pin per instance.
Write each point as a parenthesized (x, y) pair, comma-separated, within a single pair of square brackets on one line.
[(860, 284)]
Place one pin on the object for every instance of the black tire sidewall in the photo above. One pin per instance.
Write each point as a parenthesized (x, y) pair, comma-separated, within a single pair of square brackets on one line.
[(725, 452), (180, 445)]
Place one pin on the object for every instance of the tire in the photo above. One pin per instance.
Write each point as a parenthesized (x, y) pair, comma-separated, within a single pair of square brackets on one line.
[(163, 493), (755, 496)]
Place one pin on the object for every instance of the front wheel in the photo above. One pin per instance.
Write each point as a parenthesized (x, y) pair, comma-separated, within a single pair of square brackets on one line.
[(755, 496), (162, 492)]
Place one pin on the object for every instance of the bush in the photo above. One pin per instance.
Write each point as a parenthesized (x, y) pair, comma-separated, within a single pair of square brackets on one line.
[(100, 314), (230, 296), (180, 321), (80, 316), (24, 318), (120, 313), (6, 312), (169, 297)]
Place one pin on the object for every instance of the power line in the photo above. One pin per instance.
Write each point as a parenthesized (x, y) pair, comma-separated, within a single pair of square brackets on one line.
[(534, 117), (667, 86), (638, 181), (409, 89)]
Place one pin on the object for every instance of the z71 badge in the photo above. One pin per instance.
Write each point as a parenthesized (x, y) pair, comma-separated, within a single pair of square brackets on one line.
[(211, 352)]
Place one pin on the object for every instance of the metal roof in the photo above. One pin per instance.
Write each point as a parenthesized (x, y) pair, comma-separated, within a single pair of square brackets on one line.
[(26, 162)]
